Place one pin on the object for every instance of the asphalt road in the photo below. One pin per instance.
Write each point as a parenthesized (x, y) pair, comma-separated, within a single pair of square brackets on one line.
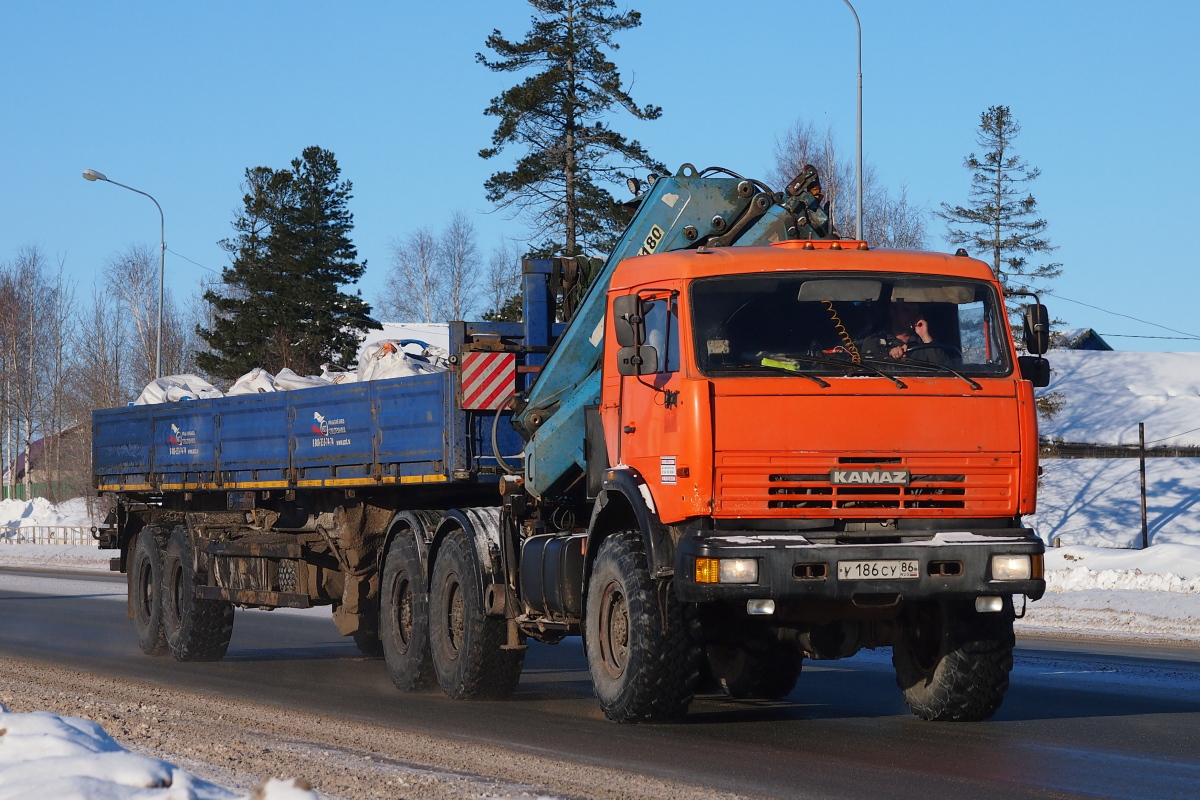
[(1078, 721)]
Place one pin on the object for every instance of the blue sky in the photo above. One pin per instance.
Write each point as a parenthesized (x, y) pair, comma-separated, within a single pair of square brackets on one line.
[(179, 99)]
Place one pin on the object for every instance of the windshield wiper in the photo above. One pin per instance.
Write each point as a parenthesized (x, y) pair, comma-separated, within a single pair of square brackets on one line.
[(845, 365), (930, 365), (777, 366)]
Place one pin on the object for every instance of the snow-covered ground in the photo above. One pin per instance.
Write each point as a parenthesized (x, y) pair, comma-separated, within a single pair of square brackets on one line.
[(44, 755), (1097, 501), (41, 512), (56, 556), (1109, 392)]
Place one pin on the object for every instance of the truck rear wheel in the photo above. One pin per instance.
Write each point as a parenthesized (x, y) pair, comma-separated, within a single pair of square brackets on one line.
[(145, 593), (404, 616), (642, 669), (467, 645), (196, 630), (952, 663), (747, 672)]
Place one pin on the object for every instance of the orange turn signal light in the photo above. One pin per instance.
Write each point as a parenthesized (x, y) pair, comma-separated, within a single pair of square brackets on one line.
[(708, 570)]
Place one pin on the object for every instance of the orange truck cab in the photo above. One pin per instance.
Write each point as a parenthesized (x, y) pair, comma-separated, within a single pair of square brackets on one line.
[(840, 443)]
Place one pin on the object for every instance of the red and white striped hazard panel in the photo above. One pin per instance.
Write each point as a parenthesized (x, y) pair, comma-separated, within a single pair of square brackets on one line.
[(487, 380)]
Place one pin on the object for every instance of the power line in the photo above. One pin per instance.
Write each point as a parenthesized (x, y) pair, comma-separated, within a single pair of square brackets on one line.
[(1172, 436), (1135, 336), (201, 266), (1188, 334)]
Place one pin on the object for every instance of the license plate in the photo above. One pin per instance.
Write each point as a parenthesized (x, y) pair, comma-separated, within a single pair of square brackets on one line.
[(878, 570)]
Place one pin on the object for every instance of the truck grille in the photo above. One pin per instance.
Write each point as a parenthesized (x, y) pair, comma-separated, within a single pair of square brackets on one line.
[(754, 485)]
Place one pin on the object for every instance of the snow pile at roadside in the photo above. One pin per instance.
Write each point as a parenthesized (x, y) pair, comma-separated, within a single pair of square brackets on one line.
[(41, 512), (44, 755), (1081, 579), (1168, 617), (1109, 392)]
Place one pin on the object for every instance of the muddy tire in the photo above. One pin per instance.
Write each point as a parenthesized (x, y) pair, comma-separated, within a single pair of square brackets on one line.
[(467, 645), (404, 616), (748, 672), (952, 663), (145, 593), (642, 671), (196, 630)]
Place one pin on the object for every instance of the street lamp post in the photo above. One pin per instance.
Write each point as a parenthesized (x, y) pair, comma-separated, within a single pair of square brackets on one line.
[(858, 174), (92, 175)]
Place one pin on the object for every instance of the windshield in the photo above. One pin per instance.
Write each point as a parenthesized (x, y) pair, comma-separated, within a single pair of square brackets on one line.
[(860, 323)]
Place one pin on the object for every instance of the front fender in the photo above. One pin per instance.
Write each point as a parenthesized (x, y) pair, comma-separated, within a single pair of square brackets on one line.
[(625, 503)]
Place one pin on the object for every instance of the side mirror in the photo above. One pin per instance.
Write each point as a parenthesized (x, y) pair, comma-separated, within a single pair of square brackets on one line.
[(629, 321), (637, 360), (1035, 370), (1037, 329)]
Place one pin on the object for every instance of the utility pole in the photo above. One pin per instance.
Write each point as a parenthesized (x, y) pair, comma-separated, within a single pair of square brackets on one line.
[(858, 169)]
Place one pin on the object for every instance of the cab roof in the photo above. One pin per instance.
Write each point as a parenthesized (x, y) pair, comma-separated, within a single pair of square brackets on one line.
[(791, 256)]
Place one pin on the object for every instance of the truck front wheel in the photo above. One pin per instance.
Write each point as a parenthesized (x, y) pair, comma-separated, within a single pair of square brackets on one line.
[(404, 616), (644, 669), (196, 630), (952, 663), (145, 593), (754, 672), (469, 658)]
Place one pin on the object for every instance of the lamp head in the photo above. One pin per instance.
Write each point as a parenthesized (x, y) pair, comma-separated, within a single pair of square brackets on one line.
[(92, 175)]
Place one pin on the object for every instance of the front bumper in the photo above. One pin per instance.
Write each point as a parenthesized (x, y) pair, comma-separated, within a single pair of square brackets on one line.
[(778, 555)]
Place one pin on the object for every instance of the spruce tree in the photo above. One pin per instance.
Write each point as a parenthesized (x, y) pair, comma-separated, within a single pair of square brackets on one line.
[(281, 303), (1001, 222), (555, 117)]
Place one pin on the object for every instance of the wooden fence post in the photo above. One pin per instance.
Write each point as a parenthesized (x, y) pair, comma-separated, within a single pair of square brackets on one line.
[(1142, 466)]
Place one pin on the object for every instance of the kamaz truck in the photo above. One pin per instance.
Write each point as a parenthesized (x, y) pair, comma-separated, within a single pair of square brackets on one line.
[(747, 443)]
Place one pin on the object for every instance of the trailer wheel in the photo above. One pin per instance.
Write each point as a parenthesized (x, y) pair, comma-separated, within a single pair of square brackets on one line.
[(747, 673), (196, 630), (404, 616), (642, 670), (145, 593), (952, 663), (467, 645)]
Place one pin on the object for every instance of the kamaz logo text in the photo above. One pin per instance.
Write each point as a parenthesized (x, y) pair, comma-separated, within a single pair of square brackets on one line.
[(886, 477)]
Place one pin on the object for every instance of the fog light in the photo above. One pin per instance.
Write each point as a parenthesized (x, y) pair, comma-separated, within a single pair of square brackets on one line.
[(739, 570), (989, 605), (706, 570), (765, 606), (1011, 568)]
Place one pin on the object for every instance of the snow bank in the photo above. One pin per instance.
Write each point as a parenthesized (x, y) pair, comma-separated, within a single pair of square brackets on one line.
[(1109, 393), (41, 512), (45, 755), (1117, 614)]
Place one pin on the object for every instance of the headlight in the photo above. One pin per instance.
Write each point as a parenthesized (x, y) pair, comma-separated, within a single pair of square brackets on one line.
[(1011, 568), (739, 570), (726, 570)]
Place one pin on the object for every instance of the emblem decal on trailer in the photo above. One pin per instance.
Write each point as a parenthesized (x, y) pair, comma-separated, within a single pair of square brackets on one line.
[(325, 431), (181, 442)]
